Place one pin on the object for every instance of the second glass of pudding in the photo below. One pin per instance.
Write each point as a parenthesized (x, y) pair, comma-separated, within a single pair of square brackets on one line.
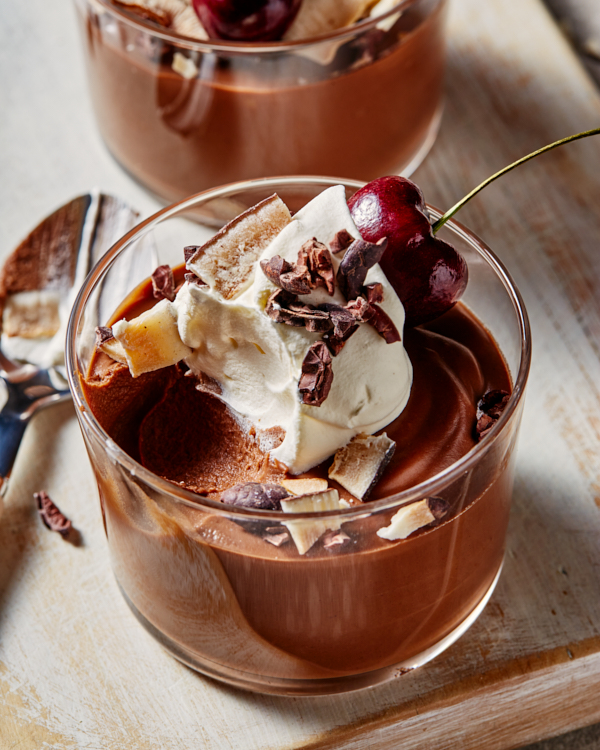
[(211, 582), (182, 115)]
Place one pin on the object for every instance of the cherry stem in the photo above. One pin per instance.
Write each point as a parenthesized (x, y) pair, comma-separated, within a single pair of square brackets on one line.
[(450, 213)]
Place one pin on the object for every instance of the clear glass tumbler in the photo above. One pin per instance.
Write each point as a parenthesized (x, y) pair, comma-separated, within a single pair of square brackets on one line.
[(360, 102), (270, 620)]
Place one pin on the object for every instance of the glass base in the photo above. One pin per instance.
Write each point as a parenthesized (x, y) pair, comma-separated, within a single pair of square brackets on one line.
[(278, 686)]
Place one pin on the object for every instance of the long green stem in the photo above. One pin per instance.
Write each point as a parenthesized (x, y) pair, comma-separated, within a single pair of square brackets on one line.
[(450, 213)]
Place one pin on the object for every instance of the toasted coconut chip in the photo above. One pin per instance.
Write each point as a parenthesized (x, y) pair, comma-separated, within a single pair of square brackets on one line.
[(226, 262), (407, 520), (306, 533), (306, 486), (359, 464)]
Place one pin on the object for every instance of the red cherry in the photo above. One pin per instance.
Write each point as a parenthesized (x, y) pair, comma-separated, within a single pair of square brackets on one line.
[(428, 274), (246, 20)]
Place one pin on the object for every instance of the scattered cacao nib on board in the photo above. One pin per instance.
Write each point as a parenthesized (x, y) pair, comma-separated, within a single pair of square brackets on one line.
[(317, 258), (163, 283), (359, 258), (342, 240), (103, 334), (157, 16), (489, 408), (255, 495), (317, 375), (52, 517), (384, 325)]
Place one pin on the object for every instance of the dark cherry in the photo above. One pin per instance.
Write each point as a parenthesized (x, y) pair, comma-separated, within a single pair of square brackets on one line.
[(246, 20), (428, 274)]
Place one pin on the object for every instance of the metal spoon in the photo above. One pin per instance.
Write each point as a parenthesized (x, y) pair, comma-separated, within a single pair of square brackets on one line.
[(64, 247)]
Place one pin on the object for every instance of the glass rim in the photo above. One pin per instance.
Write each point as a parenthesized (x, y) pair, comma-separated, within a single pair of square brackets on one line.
[(250, 48), (428, 488)]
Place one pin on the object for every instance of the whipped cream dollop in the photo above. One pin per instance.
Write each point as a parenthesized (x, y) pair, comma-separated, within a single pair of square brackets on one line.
[(258, 362)]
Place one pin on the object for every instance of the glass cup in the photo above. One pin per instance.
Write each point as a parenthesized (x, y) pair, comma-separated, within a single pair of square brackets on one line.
[(359, 102), (197, 573)]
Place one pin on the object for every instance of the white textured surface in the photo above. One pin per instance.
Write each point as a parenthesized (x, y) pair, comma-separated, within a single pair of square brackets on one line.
[(76, 669)]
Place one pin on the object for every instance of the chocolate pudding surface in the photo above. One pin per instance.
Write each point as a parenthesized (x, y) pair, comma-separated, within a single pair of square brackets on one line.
[(223, 598), (365, 112)]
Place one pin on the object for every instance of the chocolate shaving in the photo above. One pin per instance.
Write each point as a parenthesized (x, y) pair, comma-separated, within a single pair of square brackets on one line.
[(342, 240), (157, 16), (317, 375), (103, 334), (190, 250), (489, 409), (384, 325), (359, 258), (317, 258), (52, 517), (163, 283), (373, 293)]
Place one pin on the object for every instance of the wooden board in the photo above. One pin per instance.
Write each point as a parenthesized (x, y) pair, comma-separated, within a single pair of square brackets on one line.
[(76, 669)]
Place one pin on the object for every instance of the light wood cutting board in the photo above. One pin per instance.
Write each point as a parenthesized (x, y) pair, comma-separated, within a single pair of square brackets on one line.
[(76, 669)]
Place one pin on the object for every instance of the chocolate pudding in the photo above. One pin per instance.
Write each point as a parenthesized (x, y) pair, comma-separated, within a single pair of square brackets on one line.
[(243, 564), (362, 102), (363, 606)]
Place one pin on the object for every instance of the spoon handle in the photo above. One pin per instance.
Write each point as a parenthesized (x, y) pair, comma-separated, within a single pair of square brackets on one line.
[(12, 429)]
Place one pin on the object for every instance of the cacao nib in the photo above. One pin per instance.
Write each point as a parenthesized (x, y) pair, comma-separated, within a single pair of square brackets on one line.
[(355, 265), (274, 267), (283, 307), (255, 495), (317, 259), (296, 281), (373, 293), (335, 539), (191, 278), (317, 375), (163, 283), (342, 240), (489, 408), (157, 16), (361, 310), (52, 517), (384, 325), (190, 250), (103, 334), (335, 344), (438, 507)]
